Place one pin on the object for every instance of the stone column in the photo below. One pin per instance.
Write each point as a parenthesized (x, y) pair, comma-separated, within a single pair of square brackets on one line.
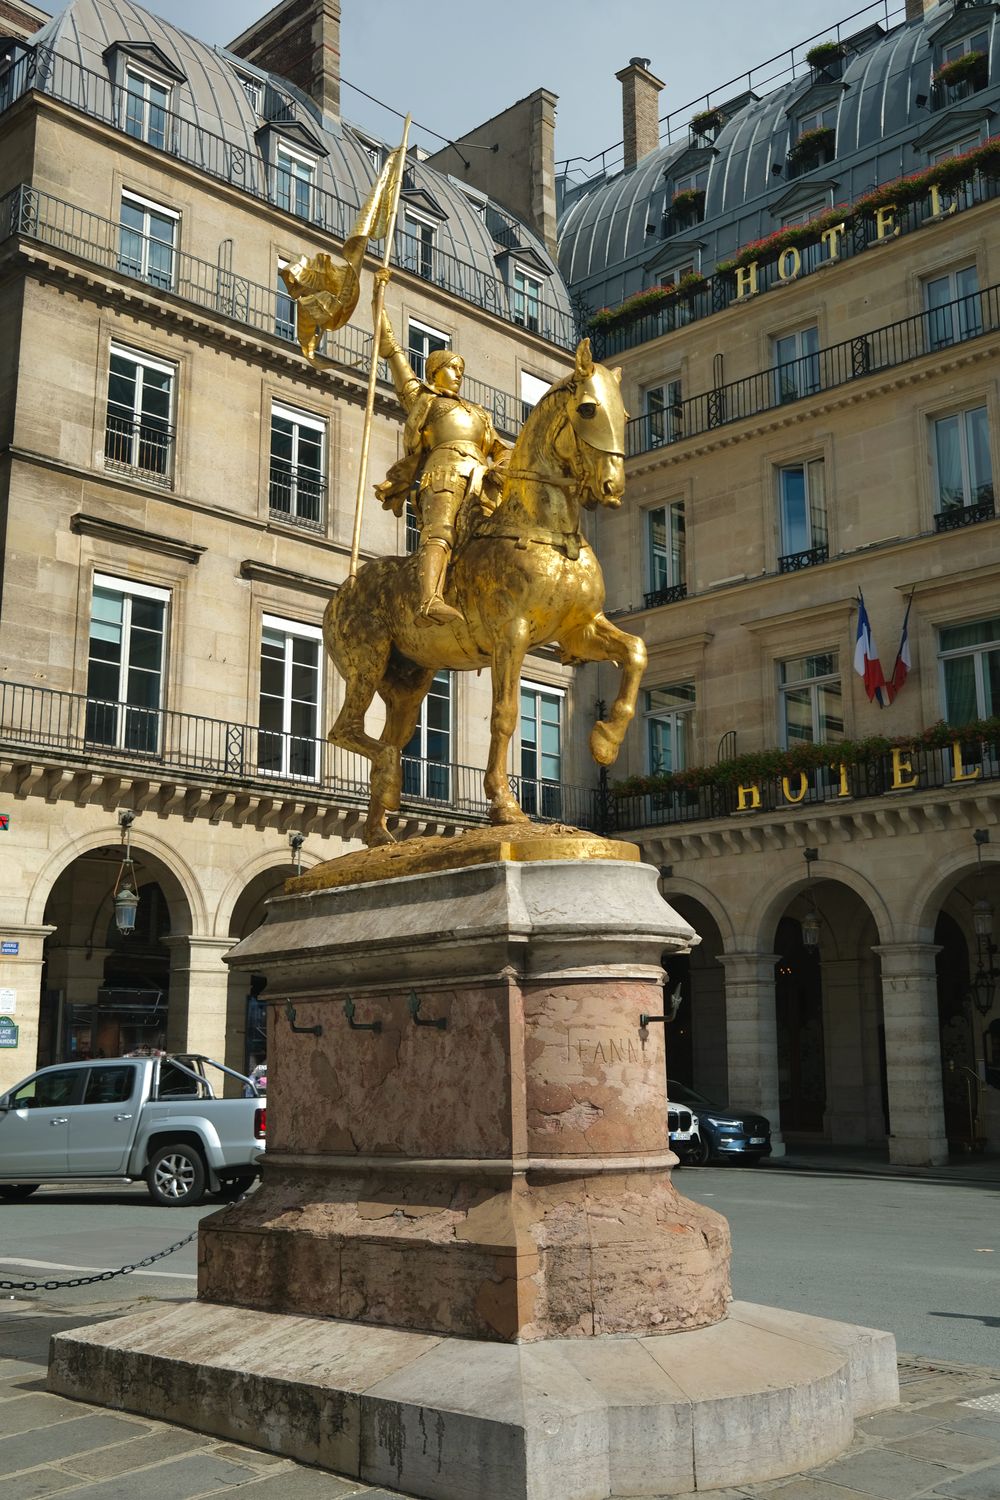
[(21, 978), (199, 995), (752, 1037), (913, 1054)]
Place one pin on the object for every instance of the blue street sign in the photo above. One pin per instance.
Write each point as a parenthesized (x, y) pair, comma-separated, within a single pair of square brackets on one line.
[(7, 946), (8, 1032)]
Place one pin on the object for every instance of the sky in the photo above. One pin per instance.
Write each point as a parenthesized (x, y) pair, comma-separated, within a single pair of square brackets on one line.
[(452, 69)]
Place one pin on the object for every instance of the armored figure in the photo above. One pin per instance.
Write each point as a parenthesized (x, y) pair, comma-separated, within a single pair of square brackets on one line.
[(451, 452)]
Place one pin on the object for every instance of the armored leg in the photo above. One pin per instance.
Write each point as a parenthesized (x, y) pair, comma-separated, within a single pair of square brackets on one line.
[(432, 561)]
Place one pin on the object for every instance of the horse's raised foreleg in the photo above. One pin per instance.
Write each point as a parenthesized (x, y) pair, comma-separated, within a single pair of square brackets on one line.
[(509, 650), (599, 640)]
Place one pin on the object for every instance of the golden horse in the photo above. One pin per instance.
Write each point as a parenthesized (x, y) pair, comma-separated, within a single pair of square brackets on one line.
[(522, 577)]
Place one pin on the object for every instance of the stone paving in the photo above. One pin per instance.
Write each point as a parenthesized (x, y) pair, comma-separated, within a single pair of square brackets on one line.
[(941, 1443)]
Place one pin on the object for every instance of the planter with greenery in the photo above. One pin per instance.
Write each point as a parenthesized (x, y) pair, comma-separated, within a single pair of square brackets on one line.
[(972, 65), (650, 300), (797, 236), (826, 55), (812, 144), (689, 203), (764, 765), (707, 123)]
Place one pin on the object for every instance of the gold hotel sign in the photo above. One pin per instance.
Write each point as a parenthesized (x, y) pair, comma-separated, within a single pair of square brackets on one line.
[(795, 788)]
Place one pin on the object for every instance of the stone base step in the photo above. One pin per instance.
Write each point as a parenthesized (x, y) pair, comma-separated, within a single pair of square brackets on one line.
[(762, 1394)]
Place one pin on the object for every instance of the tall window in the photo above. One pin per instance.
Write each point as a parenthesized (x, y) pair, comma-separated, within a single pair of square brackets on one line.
[(253, 88), (125, 664), (971, 52), (148, 240), (531, 389), (146, 102), (963, 464), (526, 299), (427, 757), (423, 341), (669, 724), (666, 555), (418, 244), (541, 750), (796, 364), (284, 307), (138, 433), (288, 743), (664, 413), (802, 515), (953, 308), (297, 487), (811, 704), (820, 119), (970, 670), (294, 182)]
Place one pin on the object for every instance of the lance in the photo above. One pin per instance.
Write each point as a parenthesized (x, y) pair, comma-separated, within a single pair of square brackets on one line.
[(373, 372)]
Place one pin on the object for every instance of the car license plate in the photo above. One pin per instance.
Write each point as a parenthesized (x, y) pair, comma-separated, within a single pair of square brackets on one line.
[(756, 1140)]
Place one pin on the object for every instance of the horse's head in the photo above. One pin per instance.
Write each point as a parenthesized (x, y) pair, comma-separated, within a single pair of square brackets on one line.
[(596, 414)]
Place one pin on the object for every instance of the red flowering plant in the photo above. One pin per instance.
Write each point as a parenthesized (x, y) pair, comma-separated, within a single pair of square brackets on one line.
[(688, 201), (649, 300), (970, 65), (950, 173), (801, 236), (812, 143)]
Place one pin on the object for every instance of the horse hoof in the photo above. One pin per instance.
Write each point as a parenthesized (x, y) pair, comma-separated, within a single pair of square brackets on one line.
[(604, 746), (499, 816), (376, 838)]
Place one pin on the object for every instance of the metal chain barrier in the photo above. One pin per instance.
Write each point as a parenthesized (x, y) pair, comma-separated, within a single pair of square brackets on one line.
[(147, 1260)]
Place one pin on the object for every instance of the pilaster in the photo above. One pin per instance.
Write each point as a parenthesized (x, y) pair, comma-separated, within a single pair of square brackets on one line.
[(913, 1054), (752, 1037)]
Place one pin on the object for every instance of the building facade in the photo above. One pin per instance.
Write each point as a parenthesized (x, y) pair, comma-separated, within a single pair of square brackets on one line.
[(810, 347)]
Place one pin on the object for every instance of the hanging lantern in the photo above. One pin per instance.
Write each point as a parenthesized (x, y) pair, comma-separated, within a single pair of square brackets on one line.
[(810, 930), (126, 906)]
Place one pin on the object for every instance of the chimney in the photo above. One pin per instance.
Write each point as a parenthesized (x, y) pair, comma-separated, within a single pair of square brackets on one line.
[(640, 110), (299, 40), (917, 9)]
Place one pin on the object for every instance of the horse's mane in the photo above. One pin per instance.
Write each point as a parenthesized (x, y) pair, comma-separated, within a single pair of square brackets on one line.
[(472, 517)]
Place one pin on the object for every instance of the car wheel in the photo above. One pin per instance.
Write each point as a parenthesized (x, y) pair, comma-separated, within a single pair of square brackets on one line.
[(176, 1176), (700, 1152), (235, 1187), (16, 1192)]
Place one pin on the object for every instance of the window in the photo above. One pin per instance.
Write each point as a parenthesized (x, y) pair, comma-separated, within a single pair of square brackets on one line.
[(418, 244), (110, 1085), (796, 365), (974, 41), (527, 298), (666, 560), (288, 740), (423, 341), (811, 707), (147, 241), (253, 88), (945, 153), (297, 486), (138, 436), (294, 182), (964, 467), (664, 409), (541, 750), (145, 103), (803, 215), (477, 201), (48, 1091), (532, 389), (970, 670), (669, 725), (125, 664), (953, 307), (819, 119), (802, 515), (284, 307), (427, 757)]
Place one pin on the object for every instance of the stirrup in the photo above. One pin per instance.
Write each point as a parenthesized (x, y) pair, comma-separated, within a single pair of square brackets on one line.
[(434, 611)]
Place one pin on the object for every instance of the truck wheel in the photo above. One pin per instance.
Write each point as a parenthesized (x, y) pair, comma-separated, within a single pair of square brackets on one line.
[(16, 1192), (176, 1176)]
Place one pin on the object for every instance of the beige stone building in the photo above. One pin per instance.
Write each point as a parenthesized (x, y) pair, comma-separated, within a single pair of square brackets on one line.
[(178, 494), (820, 419)]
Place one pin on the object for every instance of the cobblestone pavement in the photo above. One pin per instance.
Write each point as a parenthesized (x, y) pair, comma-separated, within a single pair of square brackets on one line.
[(941, 1443)]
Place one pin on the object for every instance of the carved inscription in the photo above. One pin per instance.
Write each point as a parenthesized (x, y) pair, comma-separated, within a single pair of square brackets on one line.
[(587, 1052)]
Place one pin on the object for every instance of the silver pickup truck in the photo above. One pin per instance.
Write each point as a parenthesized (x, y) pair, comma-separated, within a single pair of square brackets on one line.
[(154, 1119)]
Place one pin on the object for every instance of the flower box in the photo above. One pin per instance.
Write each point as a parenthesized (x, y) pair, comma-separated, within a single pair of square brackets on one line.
[(971, 65)]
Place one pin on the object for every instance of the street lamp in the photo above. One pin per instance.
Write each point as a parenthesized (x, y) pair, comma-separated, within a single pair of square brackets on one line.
[(125, 897), (811, 921)]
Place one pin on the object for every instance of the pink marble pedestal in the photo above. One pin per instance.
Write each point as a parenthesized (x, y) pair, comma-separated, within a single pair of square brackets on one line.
[(503, 1176)]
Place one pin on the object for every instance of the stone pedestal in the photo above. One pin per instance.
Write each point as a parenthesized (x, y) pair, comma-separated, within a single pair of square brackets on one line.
[(466, 1271), (493, 1160)]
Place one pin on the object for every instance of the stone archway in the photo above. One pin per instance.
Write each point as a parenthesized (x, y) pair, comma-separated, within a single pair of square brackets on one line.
[(696, 1035), (246, 1031)]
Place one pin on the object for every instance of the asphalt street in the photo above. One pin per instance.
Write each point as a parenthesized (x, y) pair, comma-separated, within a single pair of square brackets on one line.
[(921, 1259)]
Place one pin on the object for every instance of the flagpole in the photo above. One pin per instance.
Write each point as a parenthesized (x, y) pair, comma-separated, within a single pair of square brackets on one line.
[(373, 372)]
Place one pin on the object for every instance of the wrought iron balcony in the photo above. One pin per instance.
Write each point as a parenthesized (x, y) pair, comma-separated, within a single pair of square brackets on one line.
[(673, 594), (297, 495), (794, 562), (837, 365), (32, 214), (217, 156), (70, 730), (955, 516), (140, 446)]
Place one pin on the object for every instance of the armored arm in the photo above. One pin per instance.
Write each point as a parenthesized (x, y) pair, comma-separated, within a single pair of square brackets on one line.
[(403, 378)]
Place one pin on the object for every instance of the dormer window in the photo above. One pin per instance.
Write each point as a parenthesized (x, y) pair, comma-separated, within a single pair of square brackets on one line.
[(372, 150), (254, 90), (815, 139), (687, 198), (964, 67), (295, 179), (146, 104)]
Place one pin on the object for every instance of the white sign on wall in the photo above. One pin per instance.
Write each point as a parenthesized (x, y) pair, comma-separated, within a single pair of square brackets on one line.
[(8, 1002)]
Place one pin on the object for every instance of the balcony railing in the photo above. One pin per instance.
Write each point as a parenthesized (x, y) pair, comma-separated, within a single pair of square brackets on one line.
[(921, 770), (672, 594), (39, 216), (225, 754), (720, 291), (956, 516), (83, 89), (794, 562), (296, 495), (825, 370), (140, 446)]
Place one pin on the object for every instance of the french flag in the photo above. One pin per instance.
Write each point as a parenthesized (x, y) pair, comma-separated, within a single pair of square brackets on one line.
[(866, 662), (902, 665)]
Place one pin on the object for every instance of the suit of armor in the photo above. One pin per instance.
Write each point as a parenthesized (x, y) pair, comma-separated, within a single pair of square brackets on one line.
[(450, 447)]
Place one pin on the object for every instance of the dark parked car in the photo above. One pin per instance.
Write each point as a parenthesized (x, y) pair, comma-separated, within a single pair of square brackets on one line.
[(737, 1134)]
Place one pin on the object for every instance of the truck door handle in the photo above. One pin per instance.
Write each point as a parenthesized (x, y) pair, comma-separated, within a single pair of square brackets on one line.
[(123, 1117), (61, 1120)]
